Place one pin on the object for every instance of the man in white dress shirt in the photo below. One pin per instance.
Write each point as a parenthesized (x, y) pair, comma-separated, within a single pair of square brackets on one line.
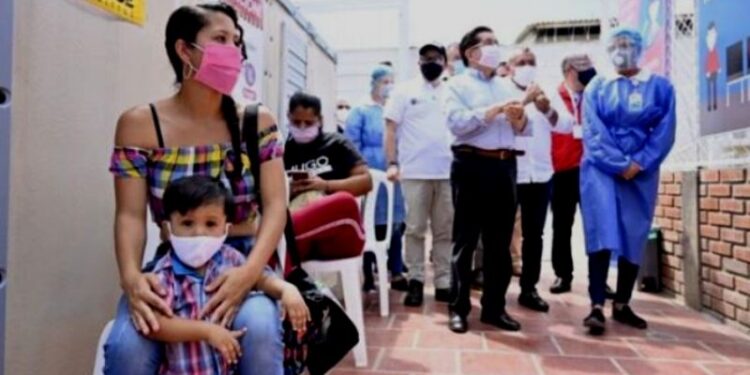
[(534, 171)]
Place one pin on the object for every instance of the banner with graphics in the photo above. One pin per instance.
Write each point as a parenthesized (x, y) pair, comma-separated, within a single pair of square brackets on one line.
[(653, 18), (723, 35), (129, 10), (249, 87)]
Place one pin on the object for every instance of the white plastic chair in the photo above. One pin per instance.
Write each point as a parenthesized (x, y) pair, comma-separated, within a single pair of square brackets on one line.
[(350, 270), (99, 360), (379, 247)]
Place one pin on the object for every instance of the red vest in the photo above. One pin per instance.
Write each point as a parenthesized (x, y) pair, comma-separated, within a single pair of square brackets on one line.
[(566, 150)]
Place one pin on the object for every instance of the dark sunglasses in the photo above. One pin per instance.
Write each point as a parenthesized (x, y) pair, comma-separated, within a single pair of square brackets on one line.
[(344, 106)]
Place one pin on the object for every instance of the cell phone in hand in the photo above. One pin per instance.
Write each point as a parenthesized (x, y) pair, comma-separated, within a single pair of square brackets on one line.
[(298, 175)]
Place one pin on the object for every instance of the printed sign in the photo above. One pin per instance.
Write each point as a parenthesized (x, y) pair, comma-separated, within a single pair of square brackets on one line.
[(723, 35), (250, 84), (129, 10)]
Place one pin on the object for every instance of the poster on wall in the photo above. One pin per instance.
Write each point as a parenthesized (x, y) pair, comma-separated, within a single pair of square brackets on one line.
[(249, 88), (723, 36), (129, 10), (652, 18)]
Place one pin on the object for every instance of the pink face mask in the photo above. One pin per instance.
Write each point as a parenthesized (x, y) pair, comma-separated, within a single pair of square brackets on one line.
[(220, 67), (304, 135)]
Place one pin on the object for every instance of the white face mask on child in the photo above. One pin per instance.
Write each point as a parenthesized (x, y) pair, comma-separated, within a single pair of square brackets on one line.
[(196, 251)]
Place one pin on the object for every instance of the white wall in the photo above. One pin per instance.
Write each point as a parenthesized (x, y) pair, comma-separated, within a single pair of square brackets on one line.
[(549, 60), (354, 68)]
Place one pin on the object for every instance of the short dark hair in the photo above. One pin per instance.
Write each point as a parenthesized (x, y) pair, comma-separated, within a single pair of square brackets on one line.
[(712, 25), (471, 39), (190, 193), (306, 101)]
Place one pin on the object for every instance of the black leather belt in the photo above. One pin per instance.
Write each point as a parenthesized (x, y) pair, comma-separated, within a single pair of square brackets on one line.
[(500, 154)]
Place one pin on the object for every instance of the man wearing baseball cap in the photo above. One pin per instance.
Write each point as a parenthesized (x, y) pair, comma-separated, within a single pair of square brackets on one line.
[(567, 151), (418, 151)]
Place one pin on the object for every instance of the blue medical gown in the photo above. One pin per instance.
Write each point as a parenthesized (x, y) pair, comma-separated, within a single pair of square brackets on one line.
[(365, 127), (617, 214)]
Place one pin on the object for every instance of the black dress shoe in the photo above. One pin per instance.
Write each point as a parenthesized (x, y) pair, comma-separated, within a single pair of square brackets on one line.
[(415, 295), (531, 300), (399, 283), (458, 323), (502, 321), (560, 286), (595, 322), (443, 295), (625, 315), (609, 293)]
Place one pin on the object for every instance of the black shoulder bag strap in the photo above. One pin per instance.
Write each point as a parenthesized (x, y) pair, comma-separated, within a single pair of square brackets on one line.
[(250, 135)]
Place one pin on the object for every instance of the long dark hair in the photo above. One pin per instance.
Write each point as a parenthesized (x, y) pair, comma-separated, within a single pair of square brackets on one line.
[(184, 24)]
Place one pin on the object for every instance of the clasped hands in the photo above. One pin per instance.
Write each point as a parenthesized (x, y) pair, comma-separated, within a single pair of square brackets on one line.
[(513, 111)]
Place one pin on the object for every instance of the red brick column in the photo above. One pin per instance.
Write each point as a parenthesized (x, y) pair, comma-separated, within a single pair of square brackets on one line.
[(725, 257), (724, 216), (669, 219)]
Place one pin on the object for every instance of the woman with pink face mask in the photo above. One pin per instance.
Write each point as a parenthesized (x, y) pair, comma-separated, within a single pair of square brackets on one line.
[(326, 173), (190, 133)]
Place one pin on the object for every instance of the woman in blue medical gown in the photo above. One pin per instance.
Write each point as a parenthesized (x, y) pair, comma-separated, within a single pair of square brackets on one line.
[(629, 127)]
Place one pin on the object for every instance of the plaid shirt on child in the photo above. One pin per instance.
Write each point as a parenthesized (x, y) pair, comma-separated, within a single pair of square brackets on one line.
[(186, 296)]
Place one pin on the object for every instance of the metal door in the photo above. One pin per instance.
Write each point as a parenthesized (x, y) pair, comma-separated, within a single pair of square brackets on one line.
[(293, 71), (6, 72)]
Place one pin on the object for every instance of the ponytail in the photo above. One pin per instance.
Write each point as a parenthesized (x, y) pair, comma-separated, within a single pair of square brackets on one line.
[(229, 111)]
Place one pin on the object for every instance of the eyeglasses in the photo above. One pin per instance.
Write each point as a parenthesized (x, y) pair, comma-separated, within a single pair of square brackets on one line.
[(620, 43), (343, 106), (485, 42), (526, 62)]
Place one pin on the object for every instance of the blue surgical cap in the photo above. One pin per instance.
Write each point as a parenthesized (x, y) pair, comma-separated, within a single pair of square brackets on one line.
[(629, 33), (379, 72)]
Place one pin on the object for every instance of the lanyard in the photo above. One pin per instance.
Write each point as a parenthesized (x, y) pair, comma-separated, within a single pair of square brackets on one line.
[(574, 103)]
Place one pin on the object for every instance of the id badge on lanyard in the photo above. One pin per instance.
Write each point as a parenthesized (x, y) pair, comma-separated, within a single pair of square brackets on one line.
[(635, 99), (635, 102), (577, 127)]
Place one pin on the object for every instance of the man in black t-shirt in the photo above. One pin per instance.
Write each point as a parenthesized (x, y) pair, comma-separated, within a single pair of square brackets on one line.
[(317, 161)]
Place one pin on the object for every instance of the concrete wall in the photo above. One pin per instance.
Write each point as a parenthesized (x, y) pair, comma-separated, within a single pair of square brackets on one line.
[(76, 69)]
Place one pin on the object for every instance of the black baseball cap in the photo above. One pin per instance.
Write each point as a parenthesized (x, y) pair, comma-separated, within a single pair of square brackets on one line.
[(433, 46)]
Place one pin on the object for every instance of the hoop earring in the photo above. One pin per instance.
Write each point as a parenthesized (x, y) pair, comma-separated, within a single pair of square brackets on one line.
[(187, 71)]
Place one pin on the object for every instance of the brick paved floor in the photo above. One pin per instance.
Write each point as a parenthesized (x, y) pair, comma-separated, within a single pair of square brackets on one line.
[(679, 341)]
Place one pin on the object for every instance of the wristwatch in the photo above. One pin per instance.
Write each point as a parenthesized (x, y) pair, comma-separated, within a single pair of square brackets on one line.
[(393, 164)]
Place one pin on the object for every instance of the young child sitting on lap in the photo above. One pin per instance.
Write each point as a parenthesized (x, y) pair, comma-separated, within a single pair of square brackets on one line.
[(197, 209)]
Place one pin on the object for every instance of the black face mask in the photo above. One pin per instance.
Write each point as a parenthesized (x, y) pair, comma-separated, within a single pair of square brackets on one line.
[(586, 76), (431, 71)]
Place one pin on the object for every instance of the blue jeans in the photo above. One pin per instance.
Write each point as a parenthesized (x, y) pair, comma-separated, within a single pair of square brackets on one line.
[(127, 352)]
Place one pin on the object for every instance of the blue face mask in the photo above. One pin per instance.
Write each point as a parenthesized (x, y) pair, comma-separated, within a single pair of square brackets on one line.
[(458, 67)]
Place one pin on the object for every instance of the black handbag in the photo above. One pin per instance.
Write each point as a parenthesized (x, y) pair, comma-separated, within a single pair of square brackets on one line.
[(330, 334)]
